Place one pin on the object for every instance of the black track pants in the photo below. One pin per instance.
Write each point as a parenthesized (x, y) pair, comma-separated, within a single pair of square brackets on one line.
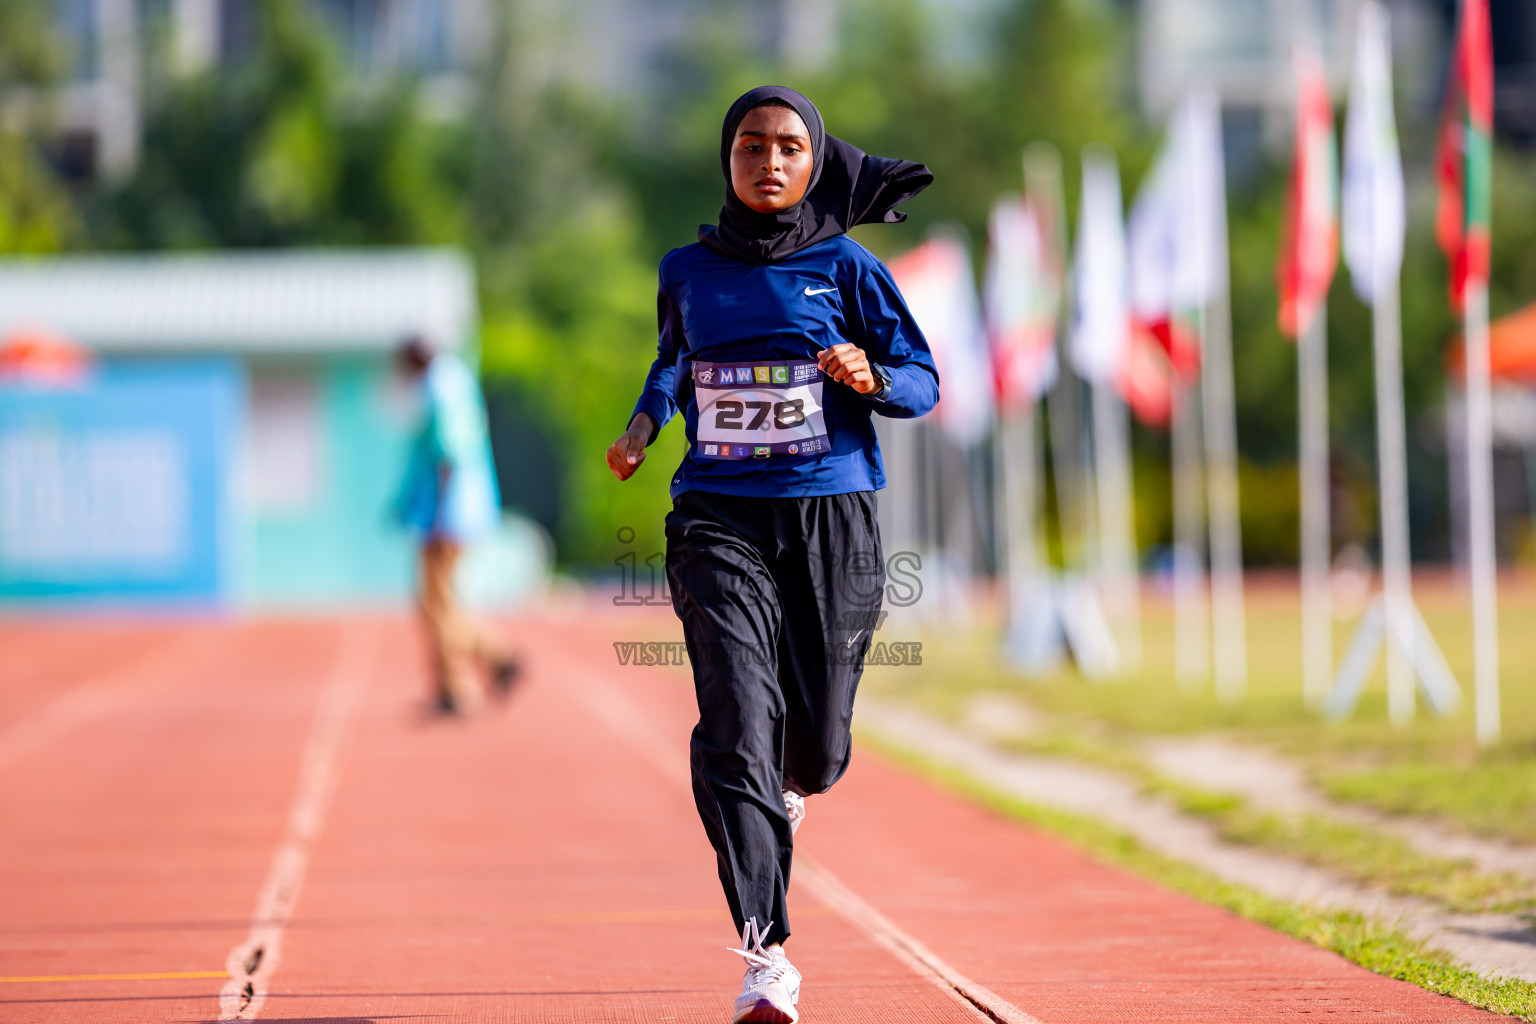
[(778, 598)]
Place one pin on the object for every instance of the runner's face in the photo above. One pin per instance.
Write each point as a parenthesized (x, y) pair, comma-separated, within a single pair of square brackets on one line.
[(771, 159)]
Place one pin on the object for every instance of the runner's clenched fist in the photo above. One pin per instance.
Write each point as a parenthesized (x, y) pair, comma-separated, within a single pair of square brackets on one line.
[(848, 363), (627, 453)]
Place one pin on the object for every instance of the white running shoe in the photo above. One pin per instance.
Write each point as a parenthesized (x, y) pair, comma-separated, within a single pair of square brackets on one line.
[(771, 987), (794, 805)]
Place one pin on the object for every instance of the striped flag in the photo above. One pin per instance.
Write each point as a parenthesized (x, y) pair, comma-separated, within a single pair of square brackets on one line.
[(1022, 301), (1462, 224), (1309, 246), (1374, 206)]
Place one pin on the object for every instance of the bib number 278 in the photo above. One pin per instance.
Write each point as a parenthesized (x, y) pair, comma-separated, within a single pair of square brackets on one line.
[(731, 414), (758, 410)]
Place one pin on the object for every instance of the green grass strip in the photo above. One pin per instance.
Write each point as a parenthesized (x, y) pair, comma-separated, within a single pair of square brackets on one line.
[(1375, 858), (1493, 796), (1366, 854), (1369, 943)]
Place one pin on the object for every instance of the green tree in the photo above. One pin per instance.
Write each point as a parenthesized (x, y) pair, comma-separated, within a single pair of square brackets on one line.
[(278, 150), (36, 214), (569, 297)]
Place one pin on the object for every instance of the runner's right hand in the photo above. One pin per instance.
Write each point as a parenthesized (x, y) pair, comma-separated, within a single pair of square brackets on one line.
[(627, 453)]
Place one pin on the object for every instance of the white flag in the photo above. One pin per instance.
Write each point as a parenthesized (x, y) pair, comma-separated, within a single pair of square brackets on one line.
[(1374, 216), (937, 283), (1178, 228), (1101, 333), (1154, 239), (1206, 274)]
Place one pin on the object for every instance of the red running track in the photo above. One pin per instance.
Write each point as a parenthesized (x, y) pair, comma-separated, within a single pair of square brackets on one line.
[(257, 820)]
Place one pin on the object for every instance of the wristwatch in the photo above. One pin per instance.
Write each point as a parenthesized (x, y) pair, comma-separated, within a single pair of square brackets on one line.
[(884, 377)]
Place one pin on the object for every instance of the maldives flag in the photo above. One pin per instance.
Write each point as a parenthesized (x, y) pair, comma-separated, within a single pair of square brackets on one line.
[(1309, 248), (1465, 155)]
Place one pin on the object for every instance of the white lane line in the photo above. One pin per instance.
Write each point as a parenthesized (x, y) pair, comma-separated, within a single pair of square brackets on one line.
[(614, 708), (151, 672), (251, 963), (831, 891)]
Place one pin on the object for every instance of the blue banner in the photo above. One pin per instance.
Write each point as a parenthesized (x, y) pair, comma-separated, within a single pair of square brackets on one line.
[(120, 488)]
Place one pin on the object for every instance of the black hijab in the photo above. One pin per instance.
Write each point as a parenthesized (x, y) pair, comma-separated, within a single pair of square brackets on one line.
[(848, 187)]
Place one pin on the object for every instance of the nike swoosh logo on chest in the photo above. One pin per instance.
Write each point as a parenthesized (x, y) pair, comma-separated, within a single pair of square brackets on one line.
[(818, 291)]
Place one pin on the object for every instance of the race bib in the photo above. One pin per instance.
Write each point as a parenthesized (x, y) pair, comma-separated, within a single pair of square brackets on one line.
[(758, 410)]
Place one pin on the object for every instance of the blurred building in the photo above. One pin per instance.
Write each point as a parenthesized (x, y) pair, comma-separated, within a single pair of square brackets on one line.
[(626, 46), (612, 46), (1245, 49), (98, 109), (241, 437), (623, 46)]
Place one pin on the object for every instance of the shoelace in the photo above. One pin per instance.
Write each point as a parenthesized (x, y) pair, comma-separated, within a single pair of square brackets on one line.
[(758, 956)]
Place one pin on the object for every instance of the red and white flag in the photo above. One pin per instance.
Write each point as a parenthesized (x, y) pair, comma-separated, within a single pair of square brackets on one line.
[(1110, 346), (1177, 244), (1022, 299), (1309, 248), (937, 283)]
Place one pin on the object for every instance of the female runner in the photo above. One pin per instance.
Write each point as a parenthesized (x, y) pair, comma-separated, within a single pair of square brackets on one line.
[(779, 338)]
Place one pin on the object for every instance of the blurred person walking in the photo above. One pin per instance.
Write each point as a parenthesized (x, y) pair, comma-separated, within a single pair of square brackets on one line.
[(779, 338), (449, 498)]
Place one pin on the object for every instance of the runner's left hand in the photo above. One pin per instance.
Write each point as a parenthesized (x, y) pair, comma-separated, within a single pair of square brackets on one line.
[(848, 363)]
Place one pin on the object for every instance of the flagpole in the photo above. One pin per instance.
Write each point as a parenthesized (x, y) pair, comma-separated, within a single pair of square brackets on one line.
[(1022, 473), (1061, 420), (1042, 181), (1316, 603), (933, 528), (1485, 630), (1392, 620), (1016, 477), (1391, 447), (1191, 652), (1228, 617), (1117, 523), (1002, 519), (1100, 337), (962, 527), (1117, 519)]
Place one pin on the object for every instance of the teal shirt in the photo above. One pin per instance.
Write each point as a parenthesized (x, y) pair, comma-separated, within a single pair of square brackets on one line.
[(453, 440)]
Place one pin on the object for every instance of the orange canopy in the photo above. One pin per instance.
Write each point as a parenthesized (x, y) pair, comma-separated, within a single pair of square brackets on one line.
[(1511, 349)]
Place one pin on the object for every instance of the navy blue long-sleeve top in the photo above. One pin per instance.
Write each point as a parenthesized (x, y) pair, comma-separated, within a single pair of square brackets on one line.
[(716, 314)]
